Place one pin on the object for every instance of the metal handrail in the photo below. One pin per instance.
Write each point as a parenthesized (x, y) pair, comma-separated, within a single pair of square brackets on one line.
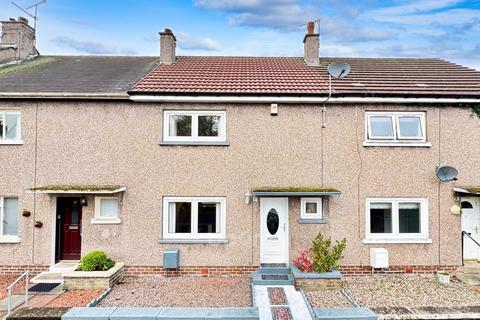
[(9, 290), (465, 233)]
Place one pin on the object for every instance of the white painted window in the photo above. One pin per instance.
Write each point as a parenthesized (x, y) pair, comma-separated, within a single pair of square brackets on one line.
[(194, 218), (397, 220), (311, 208), (194, 126), (395, 127), (10, 123), (9, 213), (106, 210)]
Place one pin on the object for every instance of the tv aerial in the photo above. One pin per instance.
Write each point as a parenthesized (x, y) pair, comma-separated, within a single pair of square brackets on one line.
[(33, 15), (446, 173)]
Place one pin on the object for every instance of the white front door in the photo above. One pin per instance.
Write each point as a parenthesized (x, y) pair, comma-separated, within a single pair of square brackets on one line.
[(273, 230), (471, 224)]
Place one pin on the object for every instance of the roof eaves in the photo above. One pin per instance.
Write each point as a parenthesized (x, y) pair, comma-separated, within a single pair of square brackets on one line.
[(65, 95)]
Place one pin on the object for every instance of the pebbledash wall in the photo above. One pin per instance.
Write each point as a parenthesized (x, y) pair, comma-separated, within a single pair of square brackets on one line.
[(117, 143)]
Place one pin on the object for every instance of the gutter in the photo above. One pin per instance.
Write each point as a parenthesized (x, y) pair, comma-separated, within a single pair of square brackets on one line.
[(63, 95), (295, 99)]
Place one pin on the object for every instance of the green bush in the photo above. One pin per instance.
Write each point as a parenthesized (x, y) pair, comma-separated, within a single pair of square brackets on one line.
[(325, 256), (95, 261)]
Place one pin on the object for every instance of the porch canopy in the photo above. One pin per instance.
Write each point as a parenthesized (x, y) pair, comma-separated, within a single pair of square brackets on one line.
[(295, 192), (78, 189), (467, 190)]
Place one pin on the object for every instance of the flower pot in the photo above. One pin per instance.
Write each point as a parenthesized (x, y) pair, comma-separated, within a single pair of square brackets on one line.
[(443, 277), (38, 224), (26, 213)]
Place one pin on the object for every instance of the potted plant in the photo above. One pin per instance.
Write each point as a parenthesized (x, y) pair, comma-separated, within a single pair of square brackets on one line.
[(443, 277), (38, 224)]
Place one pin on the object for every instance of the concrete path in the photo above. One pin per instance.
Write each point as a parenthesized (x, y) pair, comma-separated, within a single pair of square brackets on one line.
[(280, 303)]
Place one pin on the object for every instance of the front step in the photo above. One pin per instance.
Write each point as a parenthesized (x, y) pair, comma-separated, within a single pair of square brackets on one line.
[(48, 277), (273, 275), (471, 268), (472, 279)]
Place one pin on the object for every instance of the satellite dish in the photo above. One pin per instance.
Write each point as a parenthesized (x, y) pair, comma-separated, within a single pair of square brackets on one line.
[(339, 70), (447, 173)]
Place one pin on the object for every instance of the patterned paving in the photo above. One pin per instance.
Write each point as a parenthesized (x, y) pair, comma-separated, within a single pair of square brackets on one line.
[(277, 296), (281, 313), (280, 303)]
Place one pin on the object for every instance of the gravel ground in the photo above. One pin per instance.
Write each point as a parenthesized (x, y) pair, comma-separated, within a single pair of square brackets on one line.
[(327, 299), (75, 298), (5, 281), (180, 292), (408, 291)]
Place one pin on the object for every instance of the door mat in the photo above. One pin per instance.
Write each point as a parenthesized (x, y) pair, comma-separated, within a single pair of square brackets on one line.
[(274, 277), (43, 287)]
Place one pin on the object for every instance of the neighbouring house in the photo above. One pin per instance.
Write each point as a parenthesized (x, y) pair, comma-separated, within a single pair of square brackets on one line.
[(236, 161)]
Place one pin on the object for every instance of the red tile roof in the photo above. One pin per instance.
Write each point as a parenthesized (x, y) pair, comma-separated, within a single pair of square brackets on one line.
[(290, 76)]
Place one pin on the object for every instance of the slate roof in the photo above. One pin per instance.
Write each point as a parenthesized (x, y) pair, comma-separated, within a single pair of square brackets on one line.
[(290, 76), (77, 74)]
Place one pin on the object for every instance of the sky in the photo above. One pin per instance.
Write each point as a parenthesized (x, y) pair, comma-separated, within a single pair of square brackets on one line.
[(447, 29)]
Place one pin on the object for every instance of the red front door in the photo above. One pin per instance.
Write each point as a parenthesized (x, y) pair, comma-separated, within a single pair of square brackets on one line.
[(70, 214)]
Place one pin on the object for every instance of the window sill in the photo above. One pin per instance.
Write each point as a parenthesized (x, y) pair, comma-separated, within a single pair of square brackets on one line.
[(194, 241), (311, 221), (9, 239), (406, 240), (194, 143), (11, 142), (105, 221), (397, 144)]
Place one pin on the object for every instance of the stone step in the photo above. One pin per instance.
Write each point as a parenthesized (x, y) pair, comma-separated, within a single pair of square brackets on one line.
[(472, 279), (274, 270), (64, 267), (272, 279), (471, 268), (48, 277)]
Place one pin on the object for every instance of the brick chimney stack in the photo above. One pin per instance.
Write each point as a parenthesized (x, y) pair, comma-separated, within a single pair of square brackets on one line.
[(311, 46), (167, 47), (17, 42)]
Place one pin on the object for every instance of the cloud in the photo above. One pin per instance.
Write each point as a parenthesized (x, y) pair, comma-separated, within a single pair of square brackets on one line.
[(415, 7), (90, 47), (187, 42), (277, 14), (344, 30)]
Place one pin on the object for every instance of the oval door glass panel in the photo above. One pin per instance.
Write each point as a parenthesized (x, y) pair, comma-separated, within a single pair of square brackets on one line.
[(272, 221)]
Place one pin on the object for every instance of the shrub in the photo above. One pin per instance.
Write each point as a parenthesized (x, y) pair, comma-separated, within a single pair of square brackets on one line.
[(304, 262), (95, 261), (325, 257)]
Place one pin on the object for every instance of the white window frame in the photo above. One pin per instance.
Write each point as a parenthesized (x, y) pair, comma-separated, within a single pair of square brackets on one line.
[(18, 139), (303, 208), (396, 236), (194, 114), (8, 238), (396, 139), (105, 220), (194, 235)]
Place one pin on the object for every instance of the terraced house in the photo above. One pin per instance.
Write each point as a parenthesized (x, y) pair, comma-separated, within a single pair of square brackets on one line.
[(236, 161)]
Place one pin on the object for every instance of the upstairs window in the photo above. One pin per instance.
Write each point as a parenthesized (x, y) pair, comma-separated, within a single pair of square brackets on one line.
[(194, 126), (9, 127), (8, 218), (395, 127)]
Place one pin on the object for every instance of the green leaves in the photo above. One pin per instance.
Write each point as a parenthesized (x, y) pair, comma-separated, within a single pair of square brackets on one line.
[(96, 261), (325, 255)]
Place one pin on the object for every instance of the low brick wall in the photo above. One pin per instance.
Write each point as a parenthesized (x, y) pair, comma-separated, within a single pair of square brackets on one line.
[(317, 284), (418, 269), (205, 271), (94, 279), (19, 269)]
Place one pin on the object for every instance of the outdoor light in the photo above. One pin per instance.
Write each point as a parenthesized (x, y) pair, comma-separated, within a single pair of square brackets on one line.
[(248, 197), (83, 201)]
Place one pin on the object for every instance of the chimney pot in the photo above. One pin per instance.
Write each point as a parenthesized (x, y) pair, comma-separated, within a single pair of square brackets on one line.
[(310, 27), (23, 20)]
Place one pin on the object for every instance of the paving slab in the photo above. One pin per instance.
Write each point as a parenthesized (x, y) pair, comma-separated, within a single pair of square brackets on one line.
[(89, 313), (345, 314), (135, 313), (232, 313), (182, 314)]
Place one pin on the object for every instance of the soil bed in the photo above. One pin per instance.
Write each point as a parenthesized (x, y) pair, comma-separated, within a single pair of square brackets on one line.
[(180, 292), (408, 291)]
